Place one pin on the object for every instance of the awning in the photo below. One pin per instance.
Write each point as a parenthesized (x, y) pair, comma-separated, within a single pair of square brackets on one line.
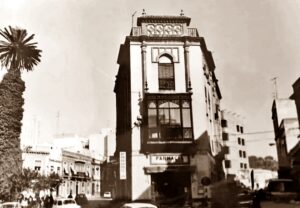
[(160, 169)]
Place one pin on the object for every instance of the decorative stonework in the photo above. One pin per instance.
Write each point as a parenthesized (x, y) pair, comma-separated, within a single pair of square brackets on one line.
[(156, 52), (164, 29)]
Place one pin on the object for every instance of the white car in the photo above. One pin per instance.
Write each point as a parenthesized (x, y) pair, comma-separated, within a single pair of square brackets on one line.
[(138, 205), (107, 194), (65, 203), (11, 205)]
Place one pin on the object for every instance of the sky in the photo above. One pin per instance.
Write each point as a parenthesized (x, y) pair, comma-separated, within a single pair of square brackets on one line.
[(71, 90)]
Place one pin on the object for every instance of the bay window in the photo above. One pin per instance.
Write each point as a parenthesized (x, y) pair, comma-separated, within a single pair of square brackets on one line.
[(169, 117)]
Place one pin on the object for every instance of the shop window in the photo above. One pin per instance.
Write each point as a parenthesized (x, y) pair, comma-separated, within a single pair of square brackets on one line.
[(169, 118), (225, 136), (166, 78), (227, 164)]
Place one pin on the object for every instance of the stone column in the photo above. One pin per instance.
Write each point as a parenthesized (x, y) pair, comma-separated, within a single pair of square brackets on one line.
[(187, 67), (144, 66)]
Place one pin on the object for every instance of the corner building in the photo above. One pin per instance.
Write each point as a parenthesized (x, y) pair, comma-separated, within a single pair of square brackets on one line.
[(168, 117)]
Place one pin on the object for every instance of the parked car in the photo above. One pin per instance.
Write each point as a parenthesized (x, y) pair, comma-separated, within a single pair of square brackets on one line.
[(138, 205), (11, 205), (281, 190), (107, 194), (81, 199), (65, 203)]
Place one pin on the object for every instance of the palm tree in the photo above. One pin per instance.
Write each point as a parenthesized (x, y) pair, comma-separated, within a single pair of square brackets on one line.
[(16, 53)]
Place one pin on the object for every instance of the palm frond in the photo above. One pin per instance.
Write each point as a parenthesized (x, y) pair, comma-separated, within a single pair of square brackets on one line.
[(16, 50)]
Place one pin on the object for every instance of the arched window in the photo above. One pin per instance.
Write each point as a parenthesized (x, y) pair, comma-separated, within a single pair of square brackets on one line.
[(166, 77)]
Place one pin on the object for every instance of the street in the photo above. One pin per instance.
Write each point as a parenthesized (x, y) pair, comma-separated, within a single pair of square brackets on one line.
[(270, 204)]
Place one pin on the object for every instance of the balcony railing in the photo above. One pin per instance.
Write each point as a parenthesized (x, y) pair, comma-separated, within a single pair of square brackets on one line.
[(137, 31)]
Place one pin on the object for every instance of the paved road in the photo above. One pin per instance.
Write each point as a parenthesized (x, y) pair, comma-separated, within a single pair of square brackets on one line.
[(269, 204), (99, 203)]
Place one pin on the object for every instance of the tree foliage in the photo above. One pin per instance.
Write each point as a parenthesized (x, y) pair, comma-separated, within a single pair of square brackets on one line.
[(268, 163), (16, 53), (30, 179)]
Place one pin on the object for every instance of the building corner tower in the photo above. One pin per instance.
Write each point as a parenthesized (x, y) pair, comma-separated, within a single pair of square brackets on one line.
[(168, 111)]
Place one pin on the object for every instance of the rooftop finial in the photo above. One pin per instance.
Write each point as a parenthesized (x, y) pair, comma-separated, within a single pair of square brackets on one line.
[(181, 13), (144, 12)]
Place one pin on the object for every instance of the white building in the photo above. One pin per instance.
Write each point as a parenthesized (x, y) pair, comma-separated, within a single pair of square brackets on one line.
[(262, 176), (236, 161), (168, 118), (286, 130)]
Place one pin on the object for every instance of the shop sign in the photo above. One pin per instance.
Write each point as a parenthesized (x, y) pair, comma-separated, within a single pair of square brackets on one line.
[(122, 163), (169, 159)]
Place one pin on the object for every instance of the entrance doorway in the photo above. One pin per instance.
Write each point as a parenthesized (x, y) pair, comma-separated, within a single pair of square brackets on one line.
[(171, 186)]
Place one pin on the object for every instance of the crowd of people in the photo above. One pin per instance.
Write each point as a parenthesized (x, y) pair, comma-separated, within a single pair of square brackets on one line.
[(36, 202)]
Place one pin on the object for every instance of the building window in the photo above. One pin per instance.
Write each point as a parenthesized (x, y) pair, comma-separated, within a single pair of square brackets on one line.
[(224, 123), (225, 136), (244, 154), (239, 140), (240, 153), (51, 168), (243, 142), (226, 149), (237, 128), (245, 166), (217, 112), (241, 130), (166, 77), (58, 169), (227, 163), (169, 117), (37, 168), (241, 165)]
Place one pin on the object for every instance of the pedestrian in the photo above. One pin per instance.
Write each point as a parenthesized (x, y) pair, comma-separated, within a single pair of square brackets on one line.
[(24, 202), (42, 202), (70, 195), (30, 202), (46, 201), (51, 201)]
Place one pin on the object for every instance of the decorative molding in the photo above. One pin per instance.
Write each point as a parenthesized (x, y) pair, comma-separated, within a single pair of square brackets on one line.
[(156, 52), (164, 29)]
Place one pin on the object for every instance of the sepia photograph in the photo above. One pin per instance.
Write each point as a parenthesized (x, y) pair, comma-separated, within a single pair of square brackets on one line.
[(149, 104)]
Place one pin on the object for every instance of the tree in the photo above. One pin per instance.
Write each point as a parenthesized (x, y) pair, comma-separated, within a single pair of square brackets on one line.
[(16, 53), (264, 163)]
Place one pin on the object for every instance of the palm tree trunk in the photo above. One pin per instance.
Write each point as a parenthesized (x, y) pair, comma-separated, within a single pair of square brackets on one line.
[(11, 114)]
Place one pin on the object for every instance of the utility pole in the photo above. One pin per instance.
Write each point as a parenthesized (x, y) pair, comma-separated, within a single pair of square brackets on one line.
[(275, 93)]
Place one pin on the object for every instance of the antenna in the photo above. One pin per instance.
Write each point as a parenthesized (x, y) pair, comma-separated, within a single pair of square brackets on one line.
[(275, 93), (57, 122), (132, 18)]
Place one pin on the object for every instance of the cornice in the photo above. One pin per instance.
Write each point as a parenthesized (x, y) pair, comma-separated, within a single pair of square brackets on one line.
[(162, 38)]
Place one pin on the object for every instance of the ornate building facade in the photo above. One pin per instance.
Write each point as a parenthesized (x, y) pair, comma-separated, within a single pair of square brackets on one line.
[(168, 117)]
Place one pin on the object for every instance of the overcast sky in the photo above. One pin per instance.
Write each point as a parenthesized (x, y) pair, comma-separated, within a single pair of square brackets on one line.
[(252, 41)]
